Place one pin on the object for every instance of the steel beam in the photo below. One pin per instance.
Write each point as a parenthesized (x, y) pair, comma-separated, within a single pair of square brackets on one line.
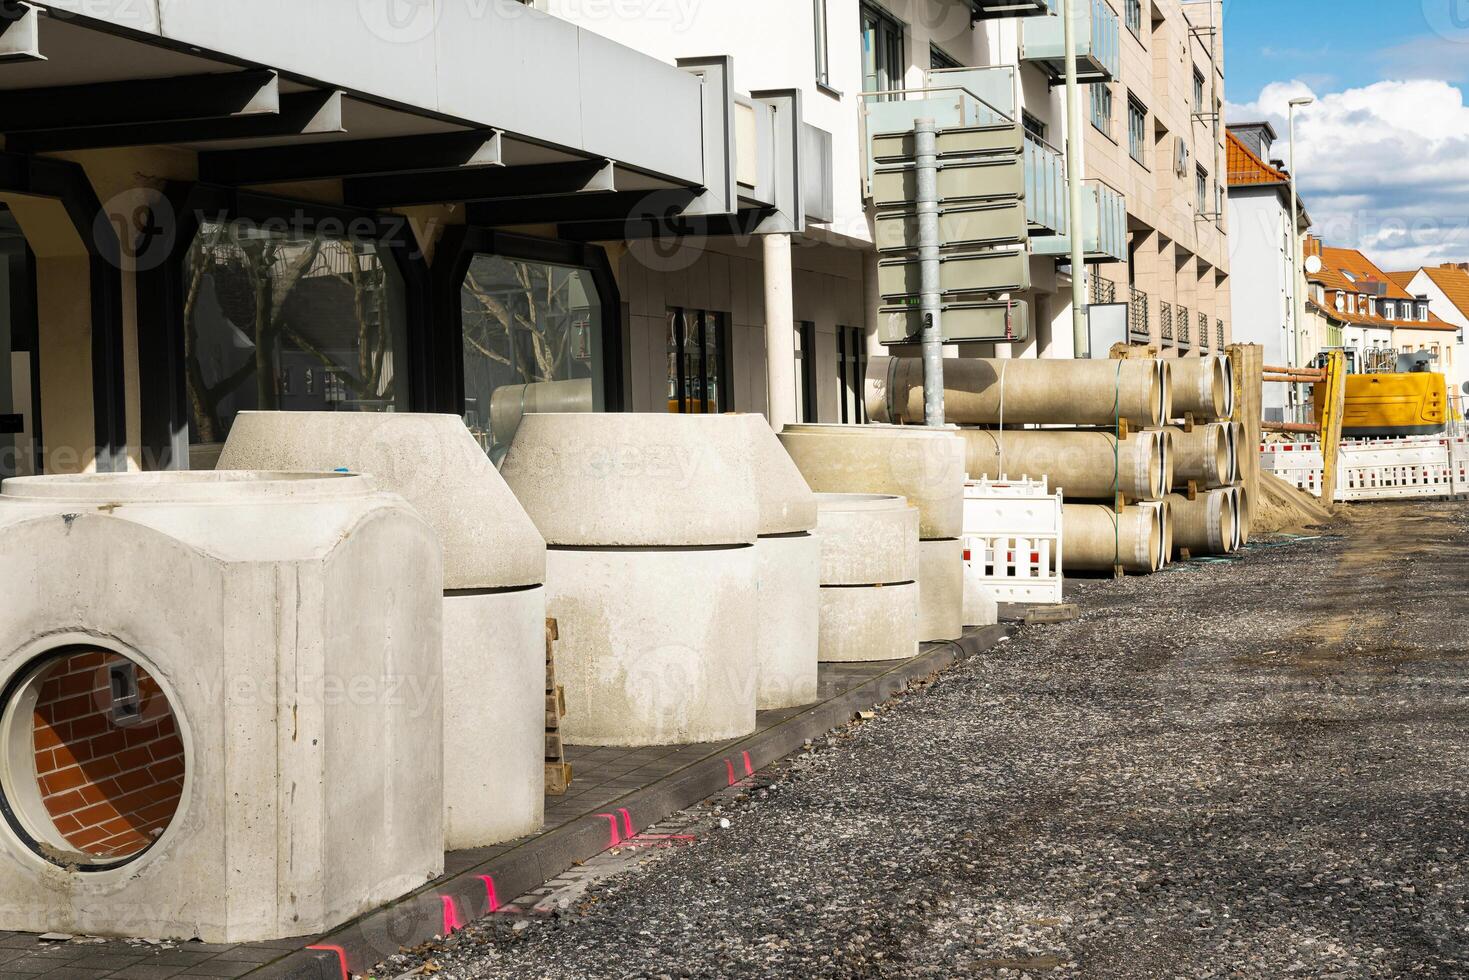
[(19, 32), (619, 206), (140, 102), (484, 184), (301, 114), (353, 158)]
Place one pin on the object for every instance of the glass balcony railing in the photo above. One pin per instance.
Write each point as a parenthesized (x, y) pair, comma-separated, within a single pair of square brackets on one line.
[(1099, 41), (995, 9), (1045, 191), (1103, 226)]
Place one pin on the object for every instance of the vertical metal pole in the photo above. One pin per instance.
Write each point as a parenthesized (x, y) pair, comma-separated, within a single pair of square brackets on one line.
[(1293, 393), (925, 143), (1081, 339)]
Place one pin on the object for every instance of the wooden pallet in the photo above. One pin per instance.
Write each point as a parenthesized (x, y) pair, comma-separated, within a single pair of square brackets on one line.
[(558, 773)]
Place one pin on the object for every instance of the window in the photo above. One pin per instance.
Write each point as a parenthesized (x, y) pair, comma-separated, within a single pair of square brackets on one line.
[(1032, 125), (698, 345), (1341, 301), (281, 320), (1198, 91), (1134, 15), (851, 374), (806, 371), (823, 45), (528, 327), (940, 60), (1137, 130), (1102, 107), (1423, 311), (882, 52), (1201, 190)]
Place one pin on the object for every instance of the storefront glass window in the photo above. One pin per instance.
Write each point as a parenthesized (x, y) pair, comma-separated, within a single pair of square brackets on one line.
[(532, 343), (280, 320)]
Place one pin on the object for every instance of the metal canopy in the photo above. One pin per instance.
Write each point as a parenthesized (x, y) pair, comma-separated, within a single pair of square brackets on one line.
[(141, 102), (481, 184), (622, 207), (354, 158), (301, 114)]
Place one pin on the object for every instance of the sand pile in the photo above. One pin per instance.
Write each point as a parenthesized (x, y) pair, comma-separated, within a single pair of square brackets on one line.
[(1282, 509)]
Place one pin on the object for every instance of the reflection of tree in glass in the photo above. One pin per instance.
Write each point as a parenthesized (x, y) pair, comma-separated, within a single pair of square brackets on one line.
[(534, 303), (255, 279)]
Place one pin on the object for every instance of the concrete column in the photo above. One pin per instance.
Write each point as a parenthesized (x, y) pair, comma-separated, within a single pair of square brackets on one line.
[(871, 302), (780, 332)]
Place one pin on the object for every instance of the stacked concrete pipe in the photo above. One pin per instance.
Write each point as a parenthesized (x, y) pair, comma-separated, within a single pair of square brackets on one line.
[(869, 577), (1086, 465), (1203, 387), (1023, 391), (494, 602), (1244, 514), (1098, 538), (789, 559), (1205, 524), (651, 522), (282, 633), (924, 465), (1202, 455)]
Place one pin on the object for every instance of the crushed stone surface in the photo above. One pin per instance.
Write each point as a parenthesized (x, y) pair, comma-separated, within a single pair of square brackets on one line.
[(1245, 768)]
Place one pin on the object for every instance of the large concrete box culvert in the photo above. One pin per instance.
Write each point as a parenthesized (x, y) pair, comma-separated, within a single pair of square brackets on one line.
[(789, 562), (926, 466), (869, 577), (494, 602), (203, 676), (651, 522)]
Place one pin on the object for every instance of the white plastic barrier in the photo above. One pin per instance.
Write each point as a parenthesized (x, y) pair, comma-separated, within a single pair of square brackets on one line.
[(1376, 469), (1012, 538)]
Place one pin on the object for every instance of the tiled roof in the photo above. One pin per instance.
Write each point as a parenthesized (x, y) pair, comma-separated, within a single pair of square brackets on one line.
[(1362, 270), (1362, 320), (1404, 279), (1246, 167), (1454, 282)]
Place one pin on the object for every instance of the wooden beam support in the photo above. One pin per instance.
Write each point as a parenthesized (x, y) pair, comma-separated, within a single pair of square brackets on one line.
[(301, 114), (353, 158), (141, 101), (483, 184)]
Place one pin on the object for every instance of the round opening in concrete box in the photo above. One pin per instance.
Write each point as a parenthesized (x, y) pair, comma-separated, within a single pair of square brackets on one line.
[(92, 761)]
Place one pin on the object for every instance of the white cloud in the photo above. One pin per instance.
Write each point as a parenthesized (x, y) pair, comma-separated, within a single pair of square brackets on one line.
[(1384, 168)]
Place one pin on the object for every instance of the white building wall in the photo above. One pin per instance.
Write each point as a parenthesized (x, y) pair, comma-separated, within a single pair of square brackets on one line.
[(1444, 308), (1261, 294)]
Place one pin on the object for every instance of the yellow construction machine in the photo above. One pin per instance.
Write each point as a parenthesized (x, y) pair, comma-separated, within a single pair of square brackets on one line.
[(1410, 400)]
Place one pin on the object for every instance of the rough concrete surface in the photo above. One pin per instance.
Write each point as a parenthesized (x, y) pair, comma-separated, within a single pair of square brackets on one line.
[(1254, 767)]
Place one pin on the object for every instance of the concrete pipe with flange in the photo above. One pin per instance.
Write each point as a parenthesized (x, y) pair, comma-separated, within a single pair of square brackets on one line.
[(494, 611), (1202, 387), (789, 559), (1034, 391), (650, 523), (1204, 525), (1097, 538), (1084, 465), (1237, 446), (869, 577), (925, 466), (1201, 455), (1245, 509), (1164, 512)]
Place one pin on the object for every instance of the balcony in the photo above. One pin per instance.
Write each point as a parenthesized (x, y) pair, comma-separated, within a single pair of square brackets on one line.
[(1182, 329), (1103, 225), (1045, 191), (1139, 324), (996, 9), (1165, 322), (1099, 42)]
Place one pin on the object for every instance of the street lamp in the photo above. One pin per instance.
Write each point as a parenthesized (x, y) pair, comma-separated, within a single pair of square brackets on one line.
[(1295, 246)]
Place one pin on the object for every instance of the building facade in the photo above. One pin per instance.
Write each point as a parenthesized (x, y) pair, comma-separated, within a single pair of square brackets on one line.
[(1446, 287), (1267, 282), (1356, 307), (492, 208)]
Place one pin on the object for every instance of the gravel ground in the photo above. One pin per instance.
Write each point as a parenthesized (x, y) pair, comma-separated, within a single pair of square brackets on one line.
[(1244, 768)]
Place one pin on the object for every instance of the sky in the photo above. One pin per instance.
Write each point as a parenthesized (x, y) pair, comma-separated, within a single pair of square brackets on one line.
[(1382, 157)]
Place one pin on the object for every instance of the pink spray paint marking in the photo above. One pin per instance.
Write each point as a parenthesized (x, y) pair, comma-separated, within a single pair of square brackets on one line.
[(341, 955), (611, 819), (628, 832), (729, 767), (452, 922), (749, 769), (494, 901)]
